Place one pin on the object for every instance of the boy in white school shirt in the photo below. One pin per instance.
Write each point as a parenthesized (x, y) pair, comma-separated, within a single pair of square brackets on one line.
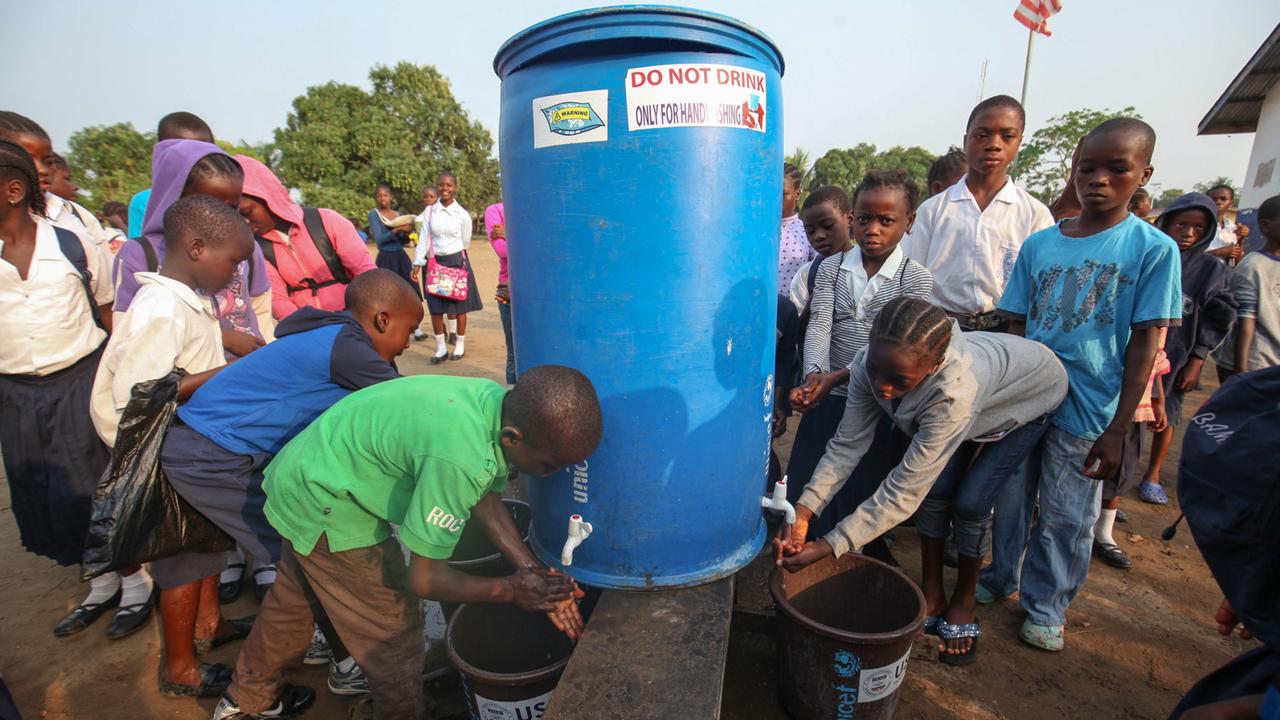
[(968, 235), (170, 325)]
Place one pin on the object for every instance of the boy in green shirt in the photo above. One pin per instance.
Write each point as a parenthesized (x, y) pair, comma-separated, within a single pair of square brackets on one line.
[(430, 454)]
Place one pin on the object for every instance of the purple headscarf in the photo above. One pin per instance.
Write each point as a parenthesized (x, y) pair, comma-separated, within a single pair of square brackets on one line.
[(171, 163)]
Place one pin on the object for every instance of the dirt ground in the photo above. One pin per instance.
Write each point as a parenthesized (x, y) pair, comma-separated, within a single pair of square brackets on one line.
[(1135, 642)]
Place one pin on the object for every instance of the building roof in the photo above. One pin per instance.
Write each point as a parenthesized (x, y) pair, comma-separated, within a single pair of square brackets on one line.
[(1238, 109)]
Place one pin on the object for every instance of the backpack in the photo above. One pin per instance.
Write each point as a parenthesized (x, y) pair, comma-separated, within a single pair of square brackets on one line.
[(71, 248), (315, 227), (1232, 501)]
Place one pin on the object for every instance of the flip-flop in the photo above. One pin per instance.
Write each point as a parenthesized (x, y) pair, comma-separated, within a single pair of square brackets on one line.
[(931, 624), (215, 678), (1150, 492), (947, 631), (240, 628)]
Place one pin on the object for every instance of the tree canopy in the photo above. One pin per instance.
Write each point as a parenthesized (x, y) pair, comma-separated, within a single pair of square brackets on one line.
[(1044, 161), (110, 162), (845, 168), (340, 141)]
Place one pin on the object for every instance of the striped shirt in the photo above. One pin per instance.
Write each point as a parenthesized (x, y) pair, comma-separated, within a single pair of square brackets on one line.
[(839, 324)]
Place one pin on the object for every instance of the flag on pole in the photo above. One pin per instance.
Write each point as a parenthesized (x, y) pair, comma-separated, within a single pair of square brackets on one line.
[(1035, 14)]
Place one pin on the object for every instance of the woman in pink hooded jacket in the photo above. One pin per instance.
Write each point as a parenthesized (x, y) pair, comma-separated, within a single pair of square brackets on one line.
[(300, 275)]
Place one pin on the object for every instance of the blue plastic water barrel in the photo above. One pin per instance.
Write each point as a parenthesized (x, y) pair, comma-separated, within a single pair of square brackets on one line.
[(641, 152)]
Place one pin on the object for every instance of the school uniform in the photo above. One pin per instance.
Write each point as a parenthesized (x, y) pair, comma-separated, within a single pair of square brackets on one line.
[(1130, 271), (231, 427), (971, 251), (78, 219), (987, 384), (167, 326), (52, 456), (794, 251), (843, 308), (418, 452), (445, 231), (391, 254)]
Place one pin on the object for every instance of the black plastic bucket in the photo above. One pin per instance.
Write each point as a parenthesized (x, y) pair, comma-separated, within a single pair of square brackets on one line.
[(844, 636), (476, 555), (510, 660)]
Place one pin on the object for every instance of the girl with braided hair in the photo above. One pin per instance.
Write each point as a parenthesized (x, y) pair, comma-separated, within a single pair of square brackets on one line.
[(975, 405)]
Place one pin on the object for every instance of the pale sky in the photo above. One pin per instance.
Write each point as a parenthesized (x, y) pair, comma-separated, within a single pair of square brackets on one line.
[(891, 73)]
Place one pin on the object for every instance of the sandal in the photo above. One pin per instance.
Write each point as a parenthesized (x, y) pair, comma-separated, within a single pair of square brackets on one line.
[(947, 631), (1153, 493), (931, 624), (215, 678), (1045, 637), (240, 628)]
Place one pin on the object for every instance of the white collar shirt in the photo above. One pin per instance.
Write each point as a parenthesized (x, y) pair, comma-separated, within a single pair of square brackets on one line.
[(167, 326), (1225, 236), (78, 219), (46, 320), (862, 288), (445, 229), (969, 251)]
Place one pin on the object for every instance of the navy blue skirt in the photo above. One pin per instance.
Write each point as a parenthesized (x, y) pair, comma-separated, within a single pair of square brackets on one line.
[(52, 456), (398, 262)]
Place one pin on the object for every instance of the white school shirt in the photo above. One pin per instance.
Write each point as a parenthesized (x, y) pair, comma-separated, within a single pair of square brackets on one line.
[(800, 286), (1225, 237), (77, 218), (167, 326), (450, 229), (862, 288), (971, 252), (46, 323)]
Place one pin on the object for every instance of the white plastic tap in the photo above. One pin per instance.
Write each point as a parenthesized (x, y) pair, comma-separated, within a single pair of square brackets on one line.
[(578, 531), (778, 501)]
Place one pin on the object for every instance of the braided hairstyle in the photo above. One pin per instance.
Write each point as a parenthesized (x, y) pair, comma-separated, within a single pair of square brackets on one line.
[(792, 173), (16, 162), (213, 165), (946, 167), (899, 179), (13, 125), (913, 324)]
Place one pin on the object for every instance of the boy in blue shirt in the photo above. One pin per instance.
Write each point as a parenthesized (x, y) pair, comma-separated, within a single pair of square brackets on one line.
[(1095, 289)]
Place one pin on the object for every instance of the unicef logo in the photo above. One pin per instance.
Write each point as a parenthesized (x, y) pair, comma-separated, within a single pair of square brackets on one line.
[(846, 664)]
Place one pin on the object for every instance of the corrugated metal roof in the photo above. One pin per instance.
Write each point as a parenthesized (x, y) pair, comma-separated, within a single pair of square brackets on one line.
[(1238, 109)]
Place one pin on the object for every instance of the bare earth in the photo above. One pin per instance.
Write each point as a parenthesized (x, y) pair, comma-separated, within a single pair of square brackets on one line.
[(1135, 642)]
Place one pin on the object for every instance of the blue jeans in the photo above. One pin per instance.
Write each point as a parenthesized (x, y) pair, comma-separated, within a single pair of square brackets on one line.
[(964, 493), (1057, 549), (504, 312)]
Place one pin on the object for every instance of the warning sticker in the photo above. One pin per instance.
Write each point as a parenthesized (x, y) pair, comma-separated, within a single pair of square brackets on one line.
[(571, 118), (878, 683), (530, 709), (663, 96)]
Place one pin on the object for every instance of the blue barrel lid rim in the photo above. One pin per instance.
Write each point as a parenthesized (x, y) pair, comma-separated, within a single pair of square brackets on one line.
[(562, 31)]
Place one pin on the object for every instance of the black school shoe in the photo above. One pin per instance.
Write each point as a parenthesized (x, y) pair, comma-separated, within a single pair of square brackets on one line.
[(129, 619), (294, 700), (1112, 555), (84, 616), (229, 591)]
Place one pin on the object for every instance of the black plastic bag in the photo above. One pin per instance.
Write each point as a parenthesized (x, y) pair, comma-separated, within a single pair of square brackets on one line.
[(137, 515)]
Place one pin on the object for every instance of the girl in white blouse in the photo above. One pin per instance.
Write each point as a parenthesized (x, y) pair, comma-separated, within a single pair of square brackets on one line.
[(445, 234)]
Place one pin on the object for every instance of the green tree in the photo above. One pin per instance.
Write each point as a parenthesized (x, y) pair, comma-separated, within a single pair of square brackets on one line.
[(1044, 162), (1204, 187), (1167, 197), (110, 162), (340, 141), (845, 167)]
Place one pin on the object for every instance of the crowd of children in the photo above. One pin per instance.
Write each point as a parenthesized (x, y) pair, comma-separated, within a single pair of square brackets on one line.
[(1023, 447), (978, 363)]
